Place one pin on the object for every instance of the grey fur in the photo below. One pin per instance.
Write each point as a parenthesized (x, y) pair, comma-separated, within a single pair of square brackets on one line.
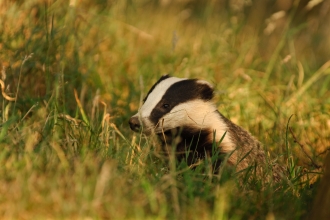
[(252, 151)]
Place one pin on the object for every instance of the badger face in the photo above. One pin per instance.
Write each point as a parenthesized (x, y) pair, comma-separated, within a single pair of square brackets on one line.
[(173, 103), (186, 104)]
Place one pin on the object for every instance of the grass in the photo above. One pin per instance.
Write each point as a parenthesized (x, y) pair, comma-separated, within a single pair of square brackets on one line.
[(77, 73)]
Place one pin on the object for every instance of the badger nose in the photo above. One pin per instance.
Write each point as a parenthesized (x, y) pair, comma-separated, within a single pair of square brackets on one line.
[(134, 123)]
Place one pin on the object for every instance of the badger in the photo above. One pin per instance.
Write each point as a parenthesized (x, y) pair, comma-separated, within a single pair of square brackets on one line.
[(181, 113)]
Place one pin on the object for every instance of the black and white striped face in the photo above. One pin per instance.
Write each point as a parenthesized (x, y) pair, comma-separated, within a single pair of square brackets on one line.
[(175, 102)]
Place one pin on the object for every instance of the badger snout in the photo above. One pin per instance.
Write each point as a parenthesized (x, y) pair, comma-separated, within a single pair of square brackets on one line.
[(134, 123)]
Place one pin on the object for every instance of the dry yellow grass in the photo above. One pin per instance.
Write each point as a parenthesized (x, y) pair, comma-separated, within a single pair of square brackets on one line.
[(71, 155)]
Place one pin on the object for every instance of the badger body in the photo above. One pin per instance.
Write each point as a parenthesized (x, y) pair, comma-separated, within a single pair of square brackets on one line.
[(181, 112)]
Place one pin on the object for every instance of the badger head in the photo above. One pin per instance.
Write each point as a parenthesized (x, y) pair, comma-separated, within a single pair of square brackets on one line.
[(175, 103), (186, 104)]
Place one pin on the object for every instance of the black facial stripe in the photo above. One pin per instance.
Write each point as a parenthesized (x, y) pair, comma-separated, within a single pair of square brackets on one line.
[(180, 92), (153, 87)]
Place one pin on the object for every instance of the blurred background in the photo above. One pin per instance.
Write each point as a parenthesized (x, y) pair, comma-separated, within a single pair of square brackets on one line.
[(268, 53), (93, 41), (73, 72)]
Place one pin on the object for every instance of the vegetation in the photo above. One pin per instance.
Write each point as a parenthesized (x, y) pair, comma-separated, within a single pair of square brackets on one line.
[(75, 71)]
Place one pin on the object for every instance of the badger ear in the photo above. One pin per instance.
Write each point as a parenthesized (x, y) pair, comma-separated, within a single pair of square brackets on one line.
[(206, 89)]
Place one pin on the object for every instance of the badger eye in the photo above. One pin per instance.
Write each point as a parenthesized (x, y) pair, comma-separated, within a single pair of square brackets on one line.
[(166, 106)]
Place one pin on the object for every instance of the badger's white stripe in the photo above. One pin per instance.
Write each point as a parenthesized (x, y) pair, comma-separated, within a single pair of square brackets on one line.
[(156, 95), (198, 114)]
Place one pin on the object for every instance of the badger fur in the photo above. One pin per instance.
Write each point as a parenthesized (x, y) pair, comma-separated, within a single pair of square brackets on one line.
[(181, 112)]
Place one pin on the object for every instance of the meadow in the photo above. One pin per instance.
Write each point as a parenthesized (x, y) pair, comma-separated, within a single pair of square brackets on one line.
[(74, 72)]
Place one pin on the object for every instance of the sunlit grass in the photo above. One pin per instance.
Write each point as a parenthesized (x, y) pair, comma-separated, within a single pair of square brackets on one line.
[(78, 73)]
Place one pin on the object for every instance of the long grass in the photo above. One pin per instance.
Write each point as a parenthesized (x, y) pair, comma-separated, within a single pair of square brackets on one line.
[(76, 72)]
